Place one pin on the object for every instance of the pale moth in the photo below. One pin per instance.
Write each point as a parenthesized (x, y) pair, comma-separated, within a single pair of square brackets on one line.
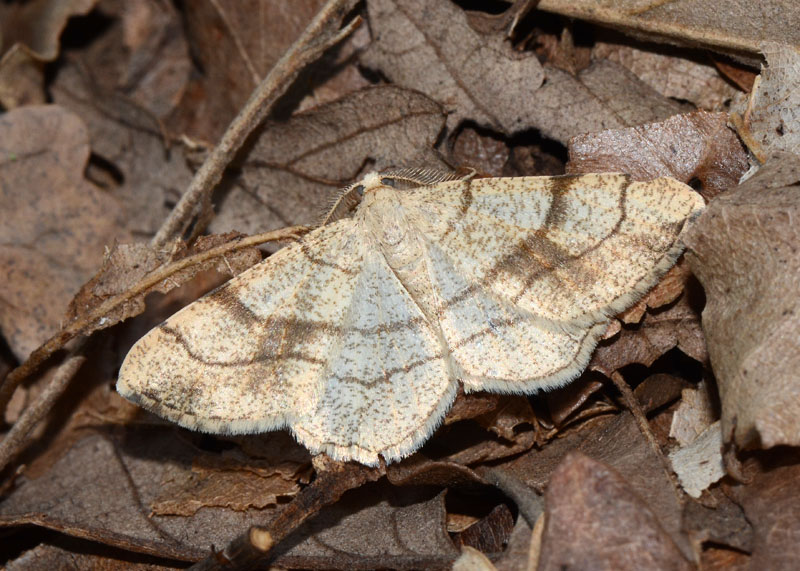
[(356, 337)]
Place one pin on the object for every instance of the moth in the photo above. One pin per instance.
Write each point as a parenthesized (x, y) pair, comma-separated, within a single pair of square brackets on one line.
[(357, 336)]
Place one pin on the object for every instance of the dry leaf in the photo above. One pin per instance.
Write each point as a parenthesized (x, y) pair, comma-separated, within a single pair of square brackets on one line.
[(74, 555), (56, 224), (772, 506), (430, 46), (583, 497), (232, 481), (722, 522), (517, 555), (99, 490), (695, 146), (235, 44), (140, 53), (295, 167), (603, 96), (744, 249), (131, 139), (485, 152), (734, 26), (660, 331), (699, 464), (693, 416), (374, 527), (769, 121), (30, 34), (472, 560), (617, 442), (678, 75), (489, 534)]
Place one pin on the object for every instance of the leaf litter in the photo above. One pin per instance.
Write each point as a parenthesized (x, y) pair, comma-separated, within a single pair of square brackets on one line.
[(88, 180)]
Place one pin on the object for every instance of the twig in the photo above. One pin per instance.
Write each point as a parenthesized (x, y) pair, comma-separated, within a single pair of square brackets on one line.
[(15, 440), (76, 327), (322, 33), (644, 427), (256, 544)]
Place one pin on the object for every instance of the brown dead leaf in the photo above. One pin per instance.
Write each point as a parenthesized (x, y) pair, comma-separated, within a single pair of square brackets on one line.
[(131, 139), (744, 249), (769, 121), (431, 47), (489, 534), (566, 400), (376, 526), (617, 442), (736, 28), (772, 506), (499, 426), (680, 75), (603, 96), (102, 490), (29, 36), (76, 555), (235, 44), (583, 497), (295, 167), (722, 522), (56, 224), (230, 481), (127, 264), (141, 53), (695, 146), (485, 152), (660, 331)]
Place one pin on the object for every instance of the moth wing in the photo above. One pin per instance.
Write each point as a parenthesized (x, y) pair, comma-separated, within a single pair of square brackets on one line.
[(567, 249), (389, 379), (249, 357)]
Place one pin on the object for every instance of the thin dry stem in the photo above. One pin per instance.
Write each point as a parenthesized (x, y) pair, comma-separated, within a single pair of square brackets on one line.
[(644, 427), (320, 35), (16, 438), (254, 547)]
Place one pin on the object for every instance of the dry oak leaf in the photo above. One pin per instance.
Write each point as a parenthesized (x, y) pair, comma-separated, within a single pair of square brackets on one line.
[(67, 555), (733, 27), (295, 167), (56, 224), (431, 47), (745, 250), (769, 120), (594, 520), (693, 146), (679, 75)]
